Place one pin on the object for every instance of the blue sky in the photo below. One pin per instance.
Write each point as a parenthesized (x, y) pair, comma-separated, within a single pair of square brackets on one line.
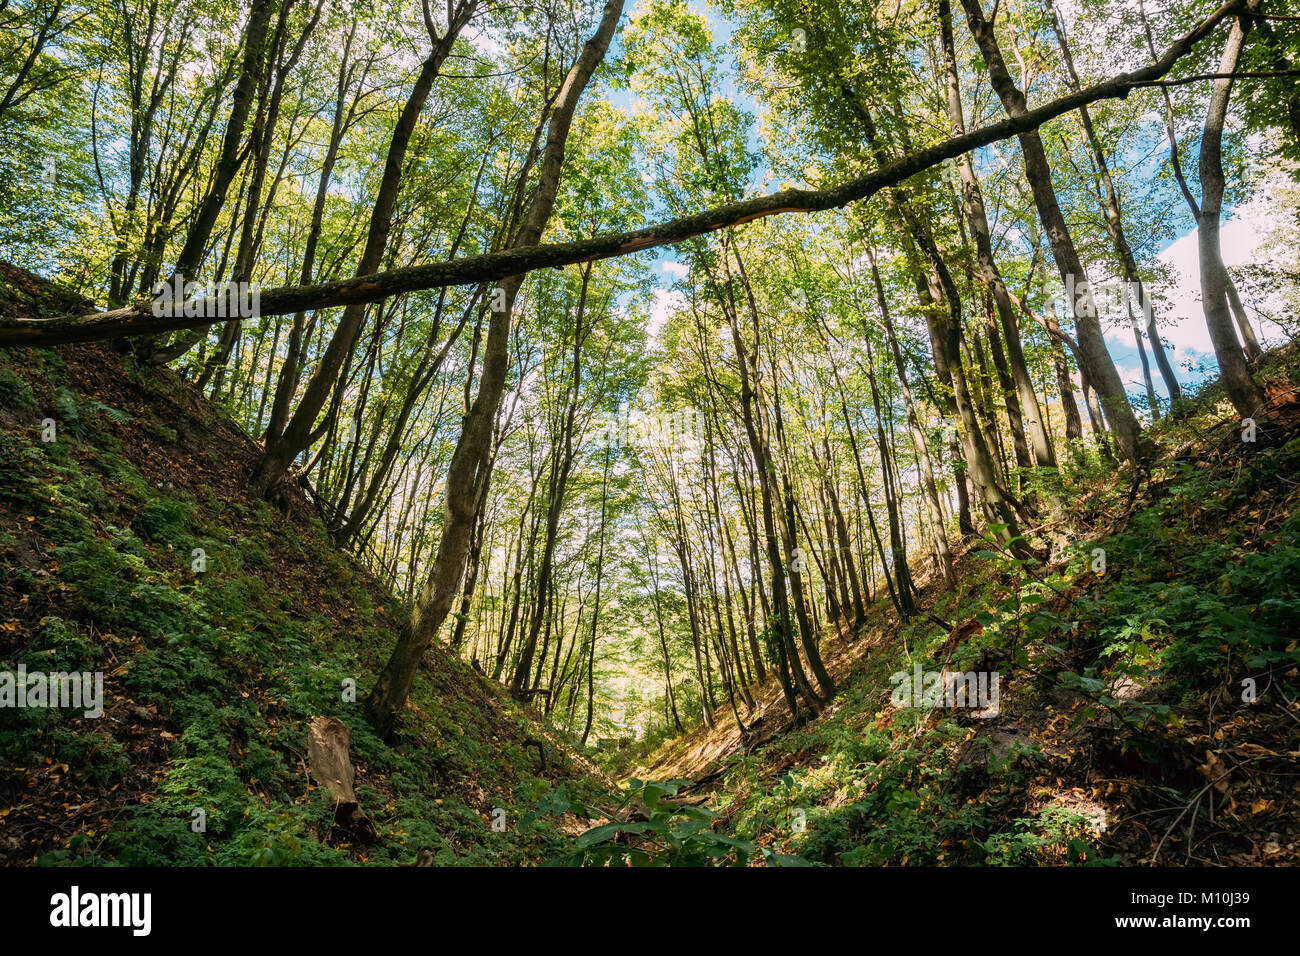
[(1178, 307)]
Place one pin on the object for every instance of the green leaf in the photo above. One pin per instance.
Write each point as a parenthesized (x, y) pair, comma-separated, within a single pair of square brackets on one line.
[(596, 834)]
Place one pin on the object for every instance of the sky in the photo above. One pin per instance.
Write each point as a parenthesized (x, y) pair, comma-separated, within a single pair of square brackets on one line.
[(1178, 306), (1180, 314)]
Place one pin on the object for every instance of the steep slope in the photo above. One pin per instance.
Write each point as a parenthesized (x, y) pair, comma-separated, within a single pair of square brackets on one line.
[(211, 675), (1147, 708), (1149, 698)]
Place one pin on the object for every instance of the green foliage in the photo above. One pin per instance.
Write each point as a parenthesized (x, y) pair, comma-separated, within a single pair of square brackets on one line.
[(166, 520), (673, 834), (15, 392), (62, 646), (874, 797), (1051, 833), (231, 664)]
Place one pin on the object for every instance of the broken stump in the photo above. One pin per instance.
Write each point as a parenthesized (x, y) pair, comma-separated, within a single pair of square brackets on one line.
[(329, 742)]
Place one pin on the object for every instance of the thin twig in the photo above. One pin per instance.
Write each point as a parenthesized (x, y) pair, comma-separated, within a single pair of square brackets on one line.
[(1196, 799)]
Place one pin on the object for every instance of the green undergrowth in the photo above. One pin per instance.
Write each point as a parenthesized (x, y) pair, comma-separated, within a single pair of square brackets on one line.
[(1159, 617), (221, 629)]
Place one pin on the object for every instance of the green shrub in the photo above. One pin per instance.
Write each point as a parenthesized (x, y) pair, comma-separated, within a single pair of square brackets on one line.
[(15, 392), (167, 520)]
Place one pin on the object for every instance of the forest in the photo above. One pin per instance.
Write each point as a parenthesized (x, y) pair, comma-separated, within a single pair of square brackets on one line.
[(757, 433)]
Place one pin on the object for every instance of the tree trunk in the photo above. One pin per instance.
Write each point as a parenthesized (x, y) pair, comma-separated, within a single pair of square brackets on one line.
[(463, 476), (600, 558), (973, 204), (1092, 344), (1245, 395), (1109, 199), (282, 449), (250, 71)]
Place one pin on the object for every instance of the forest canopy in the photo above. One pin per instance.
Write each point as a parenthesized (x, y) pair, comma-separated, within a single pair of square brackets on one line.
[(645, 350)]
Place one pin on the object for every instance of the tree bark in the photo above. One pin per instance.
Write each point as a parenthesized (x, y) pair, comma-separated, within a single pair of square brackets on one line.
[(973, 204), (1245, 395), (282, 449), (1109, 200), (464, 473), (250, 70), (1095, 359)]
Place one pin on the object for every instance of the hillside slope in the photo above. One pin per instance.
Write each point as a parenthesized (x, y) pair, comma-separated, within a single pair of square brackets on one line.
[(1149, 705), (210, 677)]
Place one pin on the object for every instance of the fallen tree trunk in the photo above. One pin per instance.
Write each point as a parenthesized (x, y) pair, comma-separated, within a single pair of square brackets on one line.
[(139, 318)]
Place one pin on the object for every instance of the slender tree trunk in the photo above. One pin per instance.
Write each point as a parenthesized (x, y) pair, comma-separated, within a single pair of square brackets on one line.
[(282, 449), (291, 370), (463, 475), (1092, 345), (1245, 395), (1108, 196), (670, 697), (942, 305), (756, 429), (1176, 166), (563, 461), (973, 204), (250, 71), (595, 608)]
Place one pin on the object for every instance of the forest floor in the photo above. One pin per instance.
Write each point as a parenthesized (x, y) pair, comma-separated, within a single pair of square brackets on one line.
[(1147, 713), (210, 678)]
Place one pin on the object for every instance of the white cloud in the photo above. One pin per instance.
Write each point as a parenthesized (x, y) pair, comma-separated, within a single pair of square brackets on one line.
[(676, 269), (482, 41), (666, 302), (1179, 312)]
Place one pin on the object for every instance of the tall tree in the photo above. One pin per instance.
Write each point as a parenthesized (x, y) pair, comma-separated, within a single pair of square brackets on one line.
[(465, 471), (1095, 360), (1246, 396)]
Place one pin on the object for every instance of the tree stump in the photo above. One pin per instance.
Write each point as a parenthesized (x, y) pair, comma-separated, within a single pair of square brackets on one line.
[(329, 742)]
